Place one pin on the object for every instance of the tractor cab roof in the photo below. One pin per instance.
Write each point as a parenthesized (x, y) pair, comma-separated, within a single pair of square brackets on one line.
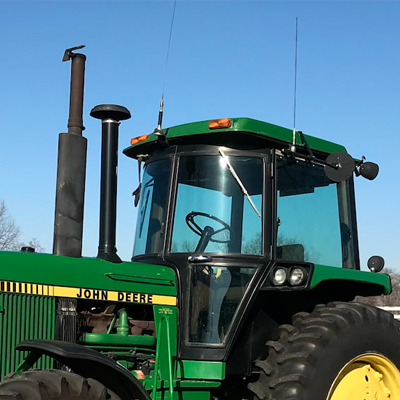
[(241, 133)]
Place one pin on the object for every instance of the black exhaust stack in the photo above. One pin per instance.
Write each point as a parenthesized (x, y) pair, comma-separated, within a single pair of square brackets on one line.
[(110, 116), (71, 168)]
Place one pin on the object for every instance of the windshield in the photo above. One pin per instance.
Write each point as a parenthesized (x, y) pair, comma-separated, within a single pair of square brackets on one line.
[(213, 213)]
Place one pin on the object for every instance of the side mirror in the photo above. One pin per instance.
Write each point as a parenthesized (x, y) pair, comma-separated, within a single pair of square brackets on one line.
[(136, 194), (376, 263), (339, 166), (369, 170)]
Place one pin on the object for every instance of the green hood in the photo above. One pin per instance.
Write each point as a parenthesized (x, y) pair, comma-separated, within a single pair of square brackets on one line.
[(92, 278)]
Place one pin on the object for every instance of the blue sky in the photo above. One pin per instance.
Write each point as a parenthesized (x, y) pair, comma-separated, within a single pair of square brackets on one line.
[(227, 59)]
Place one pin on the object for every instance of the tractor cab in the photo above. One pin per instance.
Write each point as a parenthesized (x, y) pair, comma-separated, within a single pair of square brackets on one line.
[(233, 211)]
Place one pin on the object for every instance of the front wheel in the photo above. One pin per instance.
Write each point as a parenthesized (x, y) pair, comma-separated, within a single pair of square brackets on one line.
[(52, 385), (341, 351)]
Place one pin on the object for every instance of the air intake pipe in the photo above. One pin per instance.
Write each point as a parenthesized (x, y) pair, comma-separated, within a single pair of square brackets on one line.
[(110, 116)]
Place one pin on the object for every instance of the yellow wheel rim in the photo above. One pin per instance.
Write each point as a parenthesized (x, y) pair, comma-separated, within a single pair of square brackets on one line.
[(370, 376)]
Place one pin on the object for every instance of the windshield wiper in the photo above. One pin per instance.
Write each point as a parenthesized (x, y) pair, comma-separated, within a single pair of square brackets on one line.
[(240, 183)]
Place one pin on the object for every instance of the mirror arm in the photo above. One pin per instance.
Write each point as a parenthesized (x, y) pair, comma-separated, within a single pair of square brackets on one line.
[(312, 159)]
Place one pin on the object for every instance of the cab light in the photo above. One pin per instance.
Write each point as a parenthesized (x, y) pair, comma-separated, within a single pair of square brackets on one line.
[(297, 276), (220, 123), (139, 139), (279, 277)]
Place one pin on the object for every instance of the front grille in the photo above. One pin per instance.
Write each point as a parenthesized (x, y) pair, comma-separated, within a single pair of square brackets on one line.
[(24, 317)]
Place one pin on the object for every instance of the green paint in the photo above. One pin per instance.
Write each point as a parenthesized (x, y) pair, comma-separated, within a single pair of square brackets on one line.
[(166, 321), (123, 323), (141, 279), (117, 339), (250, 127), (198, 384), (89, 273), (202, 370), (24, 317), (323, 273), (196, 390)]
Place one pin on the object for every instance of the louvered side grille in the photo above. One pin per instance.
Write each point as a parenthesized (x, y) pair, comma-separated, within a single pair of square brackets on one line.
[(23, 317), (66, 320)]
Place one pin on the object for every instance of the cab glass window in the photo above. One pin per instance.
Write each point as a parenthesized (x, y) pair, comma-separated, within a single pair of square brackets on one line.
[(150, 226), (313, 223), (215, 295), (213, 213)]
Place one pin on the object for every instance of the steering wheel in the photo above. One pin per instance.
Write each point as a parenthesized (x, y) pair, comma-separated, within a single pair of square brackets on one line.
[(199, 231)]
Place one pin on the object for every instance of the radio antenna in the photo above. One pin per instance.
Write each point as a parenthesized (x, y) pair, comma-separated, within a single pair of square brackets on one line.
[(159, 131), (293, 147)]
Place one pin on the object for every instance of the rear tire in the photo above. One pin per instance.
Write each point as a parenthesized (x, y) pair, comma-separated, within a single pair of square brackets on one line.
[(332, 354), (52, 385)]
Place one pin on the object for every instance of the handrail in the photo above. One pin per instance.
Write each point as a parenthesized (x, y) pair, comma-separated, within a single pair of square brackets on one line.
[(140, 279)]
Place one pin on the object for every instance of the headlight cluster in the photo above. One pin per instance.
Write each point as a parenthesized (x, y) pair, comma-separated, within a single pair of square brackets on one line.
[(293, 276)]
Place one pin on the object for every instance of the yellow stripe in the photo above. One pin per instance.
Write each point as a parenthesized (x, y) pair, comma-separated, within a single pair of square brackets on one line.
[(165, 300), (84, 293), (61, 291)]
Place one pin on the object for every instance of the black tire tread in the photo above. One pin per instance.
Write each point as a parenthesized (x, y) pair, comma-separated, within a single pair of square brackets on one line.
[(52, 385), (289, 366)]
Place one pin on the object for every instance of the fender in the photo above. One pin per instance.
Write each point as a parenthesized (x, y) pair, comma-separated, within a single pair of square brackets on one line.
[(89, 364)]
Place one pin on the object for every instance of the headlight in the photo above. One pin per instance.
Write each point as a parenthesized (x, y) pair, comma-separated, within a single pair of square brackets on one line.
[(297, 276), (279, 277)]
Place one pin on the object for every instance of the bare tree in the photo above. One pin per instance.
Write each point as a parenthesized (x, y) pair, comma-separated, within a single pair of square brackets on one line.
[(9, 231), (253, 245), (391, 300)]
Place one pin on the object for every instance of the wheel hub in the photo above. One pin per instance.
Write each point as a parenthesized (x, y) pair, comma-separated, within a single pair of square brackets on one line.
[(367, 377)]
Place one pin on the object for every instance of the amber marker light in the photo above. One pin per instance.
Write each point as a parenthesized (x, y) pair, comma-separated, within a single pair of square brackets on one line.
[(139, 139), (220, 123)]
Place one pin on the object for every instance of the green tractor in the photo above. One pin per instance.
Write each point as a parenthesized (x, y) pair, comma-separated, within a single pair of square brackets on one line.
[(241, 286)]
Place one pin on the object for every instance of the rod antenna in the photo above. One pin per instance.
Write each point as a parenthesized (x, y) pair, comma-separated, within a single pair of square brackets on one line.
[(293, 147), (159, 131)]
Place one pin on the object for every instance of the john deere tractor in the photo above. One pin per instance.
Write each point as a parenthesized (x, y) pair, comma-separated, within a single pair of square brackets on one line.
[(241, 284)]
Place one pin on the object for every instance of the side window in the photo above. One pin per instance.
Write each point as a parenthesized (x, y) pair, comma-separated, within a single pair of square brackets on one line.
[(142, 229), (150, 226), (310, 227)]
